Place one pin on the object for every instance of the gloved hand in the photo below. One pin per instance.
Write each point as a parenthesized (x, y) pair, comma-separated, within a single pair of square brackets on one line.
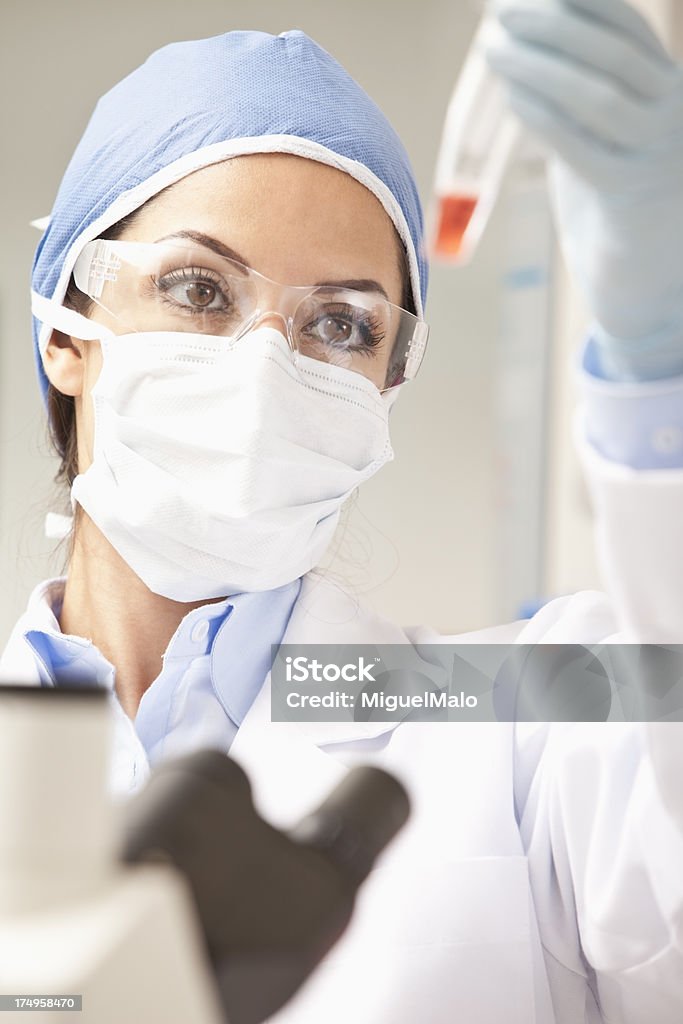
[(591, 79)]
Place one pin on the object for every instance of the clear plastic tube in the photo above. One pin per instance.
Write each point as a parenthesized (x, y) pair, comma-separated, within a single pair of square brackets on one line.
[(478, 141)]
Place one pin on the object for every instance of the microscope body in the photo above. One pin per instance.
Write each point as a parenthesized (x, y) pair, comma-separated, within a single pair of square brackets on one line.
[(75, 920), (132, 951), (180, 904)]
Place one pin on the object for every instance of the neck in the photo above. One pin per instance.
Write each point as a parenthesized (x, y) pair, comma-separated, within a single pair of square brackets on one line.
[(104, 601)]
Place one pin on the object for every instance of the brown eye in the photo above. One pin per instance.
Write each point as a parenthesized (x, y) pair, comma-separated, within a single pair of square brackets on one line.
[(333, 331), (341, 327), (201, 294), (194, 290)]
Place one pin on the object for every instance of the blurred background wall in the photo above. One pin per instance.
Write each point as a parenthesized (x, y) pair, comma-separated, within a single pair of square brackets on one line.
[(426, 539)]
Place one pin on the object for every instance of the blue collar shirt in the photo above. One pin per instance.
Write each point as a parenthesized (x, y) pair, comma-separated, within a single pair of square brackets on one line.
[(213, 668)]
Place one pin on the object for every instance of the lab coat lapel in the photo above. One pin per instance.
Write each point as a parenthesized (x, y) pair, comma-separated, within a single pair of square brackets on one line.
[(442, 914), (326, 614), (289, 774), (289, 771)]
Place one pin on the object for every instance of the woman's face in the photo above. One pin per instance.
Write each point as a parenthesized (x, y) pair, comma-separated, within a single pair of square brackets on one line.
[(293, 220)]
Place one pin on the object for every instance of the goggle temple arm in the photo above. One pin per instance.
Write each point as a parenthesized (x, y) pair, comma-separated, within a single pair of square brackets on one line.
[(68, 321), (416, 350), (96, 264)]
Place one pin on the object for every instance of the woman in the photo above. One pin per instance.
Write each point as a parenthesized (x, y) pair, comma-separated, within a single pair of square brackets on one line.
[(227, 301)]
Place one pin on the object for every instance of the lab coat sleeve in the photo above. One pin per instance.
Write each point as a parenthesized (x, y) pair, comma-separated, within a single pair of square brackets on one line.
[(600, 805), (639, 532), (629, 437), (605, 860)]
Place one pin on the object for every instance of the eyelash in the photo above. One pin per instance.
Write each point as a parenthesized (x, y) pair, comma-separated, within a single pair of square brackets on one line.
[(193, 275), (370, 326)]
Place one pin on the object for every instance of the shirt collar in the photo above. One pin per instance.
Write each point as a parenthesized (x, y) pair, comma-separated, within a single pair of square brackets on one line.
[(241, 655), (62, 658), (238, 633)]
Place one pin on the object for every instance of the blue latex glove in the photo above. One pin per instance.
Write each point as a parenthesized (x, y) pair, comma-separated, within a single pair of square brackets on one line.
[(591, 79)]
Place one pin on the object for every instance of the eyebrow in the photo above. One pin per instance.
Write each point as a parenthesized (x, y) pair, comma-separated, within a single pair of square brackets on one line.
[(362, 284)]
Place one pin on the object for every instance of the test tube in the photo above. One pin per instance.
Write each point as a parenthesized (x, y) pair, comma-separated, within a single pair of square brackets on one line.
[(478, 141)]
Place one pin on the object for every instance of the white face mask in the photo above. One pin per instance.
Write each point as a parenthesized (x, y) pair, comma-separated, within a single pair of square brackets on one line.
[(222, 467)]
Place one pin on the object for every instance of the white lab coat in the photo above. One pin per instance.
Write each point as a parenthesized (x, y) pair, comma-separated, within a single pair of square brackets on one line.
[(540, 878)]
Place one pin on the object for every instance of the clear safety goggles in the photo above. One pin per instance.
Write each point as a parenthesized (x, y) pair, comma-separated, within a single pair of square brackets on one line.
[(169, 286)]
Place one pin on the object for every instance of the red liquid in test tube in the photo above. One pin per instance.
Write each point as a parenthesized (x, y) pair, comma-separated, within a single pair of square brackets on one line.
[(453, 216)]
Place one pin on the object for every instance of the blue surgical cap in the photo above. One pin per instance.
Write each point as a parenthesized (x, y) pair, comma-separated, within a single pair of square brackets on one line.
[(195, 103)]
